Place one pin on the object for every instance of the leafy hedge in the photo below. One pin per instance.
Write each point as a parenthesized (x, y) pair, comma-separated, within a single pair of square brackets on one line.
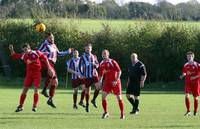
[(161, 47)]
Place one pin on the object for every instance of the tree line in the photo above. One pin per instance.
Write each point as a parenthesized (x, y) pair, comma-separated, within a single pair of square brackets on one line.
[(108, 9)]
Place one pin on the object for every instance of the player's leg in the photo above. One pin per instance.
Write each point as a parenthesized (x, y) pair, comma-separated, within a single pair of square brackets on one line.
[(37, 81), (53, 85), (187, 104), (129, 96), (22, 99), (87, 98), (131, 101), (82, 95), (195, 105), (35, 99), (104, 104), (75, 94), (96, 93), (46, 84), (121, 105), (136, 104)]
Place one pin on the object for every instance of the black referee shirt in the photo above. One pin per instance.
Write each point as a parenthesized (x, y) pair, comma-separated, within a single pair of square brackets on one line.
[(135, 71)]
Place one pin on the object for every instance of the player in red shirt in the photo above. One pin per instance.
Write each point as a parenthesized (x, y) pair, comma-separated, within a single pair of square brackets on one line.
[(33, 72), (110, 71), (191, 72)]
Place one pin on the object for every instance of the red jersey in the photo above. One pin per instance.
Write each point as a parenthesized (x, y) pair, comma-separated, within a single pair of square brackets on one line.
[(31, 59), (109, 69), (191, 69)]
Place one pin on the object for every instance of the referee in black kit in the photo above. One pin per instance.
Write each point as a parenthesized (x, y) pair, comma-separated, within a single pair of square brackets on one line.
[(136, 78)]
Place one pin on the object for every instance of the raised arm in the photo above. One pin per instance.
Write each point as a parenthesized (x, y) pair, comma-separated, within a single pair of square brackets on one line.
[(13, 54), (64, 53)]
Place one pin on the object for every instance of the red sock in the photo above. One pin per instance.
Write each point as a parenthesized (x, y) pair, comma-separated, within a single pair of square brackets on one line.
[(104, 104), (35, 99), (82, 96), (87, 97), (195, 105), (52, 91), (187, 103), (121, 106), (22, 99)]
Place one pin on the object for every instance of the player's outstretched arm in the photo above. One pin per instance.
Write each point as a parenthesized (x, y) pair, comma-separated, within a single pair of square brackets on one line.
[(64, 53)]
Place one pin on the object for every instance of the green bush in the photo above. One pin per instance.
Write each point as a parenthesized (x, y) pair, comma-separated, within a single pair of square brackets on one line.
[(161, 47)]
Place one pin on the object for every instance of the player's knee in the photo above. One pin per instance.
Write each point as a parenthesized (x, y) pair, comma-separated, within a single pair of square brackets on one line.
[(136, 97), (75, 91)]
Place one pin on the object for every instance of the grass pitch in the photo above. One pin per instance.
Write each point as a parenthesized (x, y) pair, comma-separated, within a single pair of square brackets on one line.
[(159, 110)]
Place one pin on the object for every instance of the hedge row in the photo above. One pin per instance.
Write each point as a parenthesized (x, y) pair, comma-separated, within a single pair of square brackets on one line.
[(162, 48)]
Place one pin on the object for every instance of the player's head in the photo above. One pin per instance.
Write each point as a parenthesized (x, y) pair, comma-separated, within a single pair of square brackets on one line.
[(50, 37), (75, 53), (134, 57), (105, 54), (88, 48), (26, 48), (190, 56)]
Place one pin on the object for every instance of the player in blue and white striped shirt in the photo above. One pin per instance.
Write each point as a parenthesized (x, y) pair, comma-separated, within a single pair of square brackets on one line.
[(73, 68), (88, 67)]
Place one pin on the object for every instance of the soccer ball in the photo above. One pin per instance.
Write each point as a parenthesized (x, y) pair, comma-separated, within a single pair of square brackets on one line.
[(40, 27)]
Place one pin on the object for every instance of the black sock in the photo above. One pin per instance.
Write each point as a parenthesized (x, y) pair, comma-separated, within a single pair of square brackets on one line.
[(96, 93), (136, 104), (131, 100)]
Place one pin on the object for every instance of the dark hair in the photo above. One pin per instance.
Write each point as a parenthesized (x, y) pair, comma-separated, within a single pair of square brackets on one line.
[(26, 45), (49, 34)]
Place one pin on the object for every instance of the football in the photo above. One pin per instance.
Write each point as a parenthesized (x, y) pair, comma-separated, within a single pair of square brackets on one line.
[(40, 27)]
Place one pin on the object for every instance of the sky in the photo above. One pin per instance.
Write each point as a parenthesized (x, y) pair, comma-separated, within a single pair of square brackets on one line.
[(149, 1)]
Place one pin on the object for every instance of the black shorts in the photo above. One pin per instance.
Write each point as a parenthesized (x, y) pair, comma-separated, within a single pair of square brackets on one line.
[(133, 89)]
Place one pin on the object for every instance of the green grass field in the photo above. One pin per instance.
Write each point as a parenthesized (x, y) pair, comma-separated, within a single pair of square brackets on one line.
[(159, 110), (94, 25)]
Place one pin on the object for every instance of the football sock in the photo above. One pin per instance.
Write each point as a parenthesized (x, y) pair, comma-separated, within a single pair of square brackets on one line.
[(195, 105), (121, 106), (131, 100), (136, 104), (96, 93), (82, 96), (22, 99), (187, 103), (104, 104), (52, 91), (75, 98), (35, 99), (87, 97)]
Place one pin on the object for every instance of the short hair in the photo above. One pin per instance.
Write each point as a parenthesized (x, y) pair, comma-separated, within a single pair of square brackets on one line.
[(26, 45), (49, 34), (106, 51), (190, 53), (134, 54), (88, 45), (74, 51)]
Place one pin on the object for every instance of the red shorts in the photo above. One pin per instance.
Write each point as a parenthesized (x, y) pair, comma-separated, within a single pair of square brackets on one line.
[(116, 90), (193, 88), (33, 78), (44, 68), (90, 81), (77, 82)]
